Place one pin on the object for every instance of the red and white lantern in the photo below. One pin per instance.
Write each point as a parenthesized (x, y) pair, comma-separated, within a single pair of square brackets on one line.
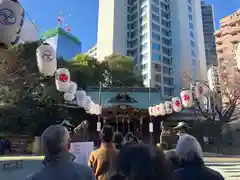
[(168, 107), (62, 80), (81, 98), (176, 104), (46, 60), (162, 110), (187, 98)]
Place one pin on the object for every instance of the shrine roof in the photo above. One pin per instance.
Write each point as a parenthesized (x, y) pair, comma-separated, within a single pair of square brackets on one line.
[(136, 97)]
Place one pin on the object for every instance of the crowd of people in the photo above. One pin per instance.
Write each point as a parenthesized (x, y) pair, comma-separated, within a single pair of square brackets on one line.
[(122, 158)]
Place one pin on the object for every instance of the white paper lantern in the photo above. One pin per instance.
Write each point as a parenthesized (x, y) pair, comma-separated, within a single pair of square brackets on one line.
[(199, 90), (72, 88), (81, 98), (162, 111), (187, 99), (62, 79), (176, 104), (168, 107), (214, 79), (11, 21), (68, 96), (154, 111), (46, 60), (92, 109), (150, 111), (88, 103), (98, 109)]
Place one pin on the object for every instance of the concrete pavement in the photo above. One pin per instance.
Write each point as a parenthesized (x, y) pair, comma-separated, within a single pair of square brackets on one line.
[(19, 167)]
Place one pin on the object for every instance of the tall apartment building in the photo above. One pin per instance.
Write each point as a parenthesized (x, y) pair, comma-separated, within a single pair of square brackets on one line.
[(208, 30), (164, 37), (226, 37)]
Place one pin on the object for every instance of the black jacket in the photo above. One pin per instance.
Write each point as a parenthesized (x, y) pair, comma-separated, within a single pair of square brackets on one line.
[(196, 171)]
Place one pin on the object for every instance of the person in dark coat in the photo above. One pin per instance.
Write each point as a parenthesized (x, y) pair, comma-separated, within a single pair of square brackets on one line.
[(58, 162), (118, 140), (171, 155), (190, 156)]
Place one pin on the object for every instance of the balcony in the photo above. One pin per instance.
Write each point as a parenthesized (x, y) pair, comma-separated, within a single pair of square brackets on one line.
[(235, 39), (235, 30), (218, 40), (218, 33), (220, 48), (220, 56)]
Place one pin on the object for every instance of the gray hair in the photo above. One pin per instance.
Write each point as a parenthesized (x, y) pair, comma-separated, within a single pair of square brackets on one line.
[(55, 139), (188, 148)]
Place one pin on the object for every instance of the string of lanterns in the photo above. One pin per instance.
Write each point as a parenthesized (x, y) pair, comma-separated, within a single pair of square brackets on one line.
[(47, 66), (11, 23), (176, 104)]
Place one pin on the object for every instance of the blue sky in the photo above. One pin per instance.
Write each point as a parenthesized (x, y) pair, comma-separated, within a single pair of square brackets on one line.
[(81, 15)]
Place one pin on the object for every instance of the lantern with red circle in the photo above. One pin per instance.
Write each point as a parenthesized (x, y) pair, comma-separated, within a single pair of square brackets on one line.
[(62, 80), (199, 90), (187, 98), (176, 104)]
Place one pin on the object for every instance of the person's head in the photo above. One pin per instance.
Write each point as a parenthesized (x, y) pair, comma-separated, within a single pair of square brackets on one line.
[(55, 139), (106, 134), (188, 148), (128, 136), (133, 139), (141, 162), (171, 155), (118, 138)]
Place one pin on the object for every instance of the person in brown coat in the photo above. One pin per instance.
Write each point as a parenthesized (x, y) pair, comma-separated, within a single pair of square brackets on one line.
[(103, 159)]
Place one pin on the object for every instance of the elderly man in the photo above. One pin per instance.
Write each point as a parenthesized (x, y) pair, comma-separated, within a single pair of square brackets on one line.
[(58, 162), (190, 156)]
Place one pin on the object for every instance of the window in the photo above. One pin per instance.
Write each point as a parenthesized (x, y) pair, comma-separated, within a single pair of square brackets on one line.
[(165, 14), (156, 2), (144, 57), (189, 9), (158, 78), (157, 67), (190, 25), (155, 18), (168, 91), (143, 37), (192, 43), (191, 34), (145, 77), (190, 1), (190, 17), (166, 23), (155, 27), (144, 67), (156, 57), (168, 81), (166, 51), (194, 63), (156, 47), (143, 28), (193, 53), (166, 32), (167, 61), (144, 47), (156, 36), (167, 70), (155, 9), (166, 41)]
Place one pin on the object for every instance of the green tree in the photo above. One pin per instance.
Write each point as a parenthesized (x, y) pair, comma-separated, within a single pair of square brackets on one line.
[(123, 72), (87, 71)]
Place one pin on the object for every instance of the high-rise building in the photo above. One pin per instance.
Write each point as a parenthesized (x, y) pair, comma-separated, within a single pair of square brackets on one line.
[(226, 37), (164, 37), (208, 30), (65, 44)]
